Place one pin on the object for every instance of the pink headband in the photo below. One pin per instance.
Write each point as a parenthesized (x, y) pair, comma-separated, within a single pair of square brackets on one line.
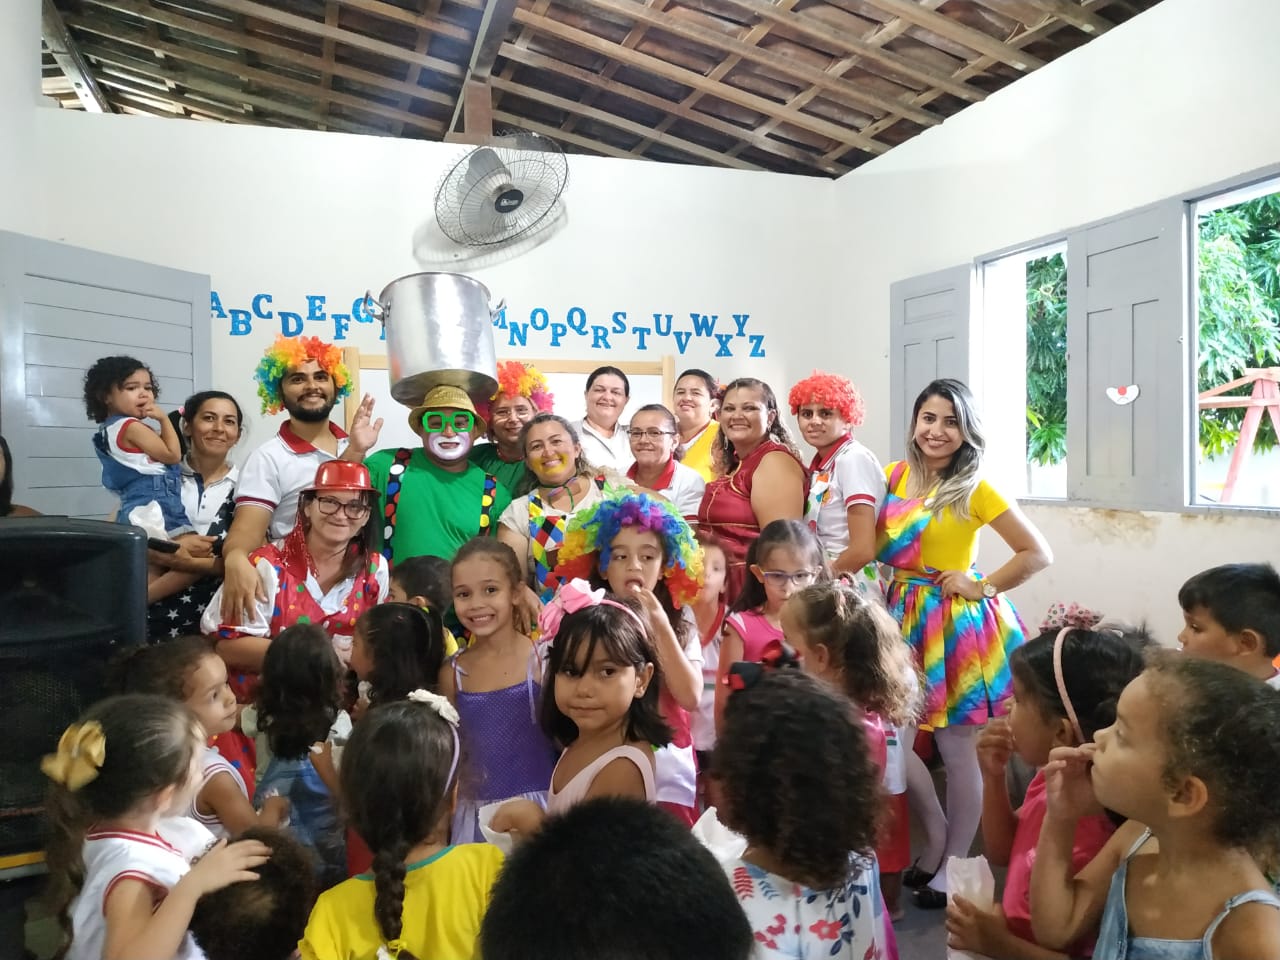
[(574, 596), (1062, 684)]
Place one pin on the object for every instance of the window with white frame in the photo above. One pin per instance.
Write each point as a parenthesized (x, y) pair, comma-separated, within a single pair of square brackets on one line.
[(1237, 347), (1025, 333), (1145, 376)]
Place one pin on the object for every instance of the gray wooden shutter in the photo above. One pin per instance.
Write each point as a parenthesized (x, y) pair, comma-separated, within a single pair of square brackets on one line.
[(929, 337), (1126, 326), (62, 308)]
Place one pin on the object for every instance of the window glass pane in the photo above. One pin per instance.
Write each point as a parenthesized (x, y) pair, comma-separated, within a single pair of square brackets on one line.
[(1025, 368), (1238, 348)]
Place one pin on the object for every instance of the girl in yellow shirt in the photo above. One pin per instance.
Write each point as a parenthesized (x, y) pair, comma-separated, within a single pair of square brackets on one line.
[(423, 898)]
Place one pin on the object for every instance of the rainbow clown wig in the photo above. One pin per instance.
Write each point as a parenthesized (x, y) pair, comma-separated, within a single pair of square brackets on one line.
[(588, 540), (288, 352), (517, 379), (830, 391)]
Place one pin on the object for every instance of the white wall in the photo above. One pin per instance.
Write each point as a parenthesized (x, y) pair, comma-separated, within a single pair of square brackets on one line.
[(19, 95), (297, 213), (1163, 104)]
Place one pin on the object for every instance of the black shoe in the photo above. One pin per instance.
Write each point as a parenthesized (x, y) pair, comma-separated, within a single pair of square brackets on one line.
[(928, 898), (914, 878)]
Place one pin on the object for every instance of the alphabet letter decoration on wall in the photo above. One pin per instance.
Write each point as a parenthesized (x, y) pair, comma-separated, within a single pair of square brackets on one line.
[(542, 327)]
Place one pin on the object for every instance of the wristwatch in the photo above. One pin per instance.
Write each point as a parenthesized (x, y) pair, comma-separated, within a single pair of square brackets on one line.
[(989, 590)]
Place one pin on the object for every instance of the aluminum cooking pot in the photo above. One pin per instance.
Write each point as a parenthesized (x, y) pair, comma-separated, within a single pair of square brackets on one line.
[(439, 330)]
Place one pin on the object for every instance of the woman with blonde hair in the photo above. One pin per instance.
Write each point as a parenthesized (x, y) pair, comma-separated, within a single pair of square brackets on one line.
[(959, 624)]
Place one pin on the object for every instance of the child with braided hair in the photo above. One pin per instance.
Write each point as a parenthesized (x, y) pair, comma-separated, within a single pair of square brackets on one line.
[(424, 897)]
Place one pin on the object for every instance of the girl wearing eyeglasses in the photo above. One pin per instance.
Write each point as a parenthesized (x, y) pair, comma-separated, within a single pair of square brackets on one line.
[(785, 558), (655, 443), (324, 572)]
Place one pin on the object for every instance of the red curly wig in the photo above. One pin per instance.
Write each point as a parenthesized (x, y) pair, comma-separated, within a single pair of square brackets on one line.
[(829, 390)]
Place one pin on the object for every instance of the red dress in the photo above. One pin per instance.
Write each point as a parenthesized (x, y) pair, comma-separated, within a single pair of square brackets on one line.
[(726, 511)]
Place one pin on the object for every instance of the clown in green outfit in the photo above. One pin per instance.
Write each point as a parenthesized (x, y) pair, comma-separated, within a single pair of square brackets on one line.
[(433, 499)]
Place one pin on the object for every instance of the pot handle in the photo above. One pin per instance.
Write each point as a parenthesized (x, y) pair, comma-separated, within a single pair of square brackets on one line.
[(375, 307), (499, 310)]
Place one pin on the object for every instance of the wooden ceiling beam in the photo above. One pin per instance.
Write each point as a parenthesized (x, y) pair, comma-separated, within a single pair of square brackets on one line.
[(163, 104), (585, 143), (632, 40), (835, 87), (805, 24), (328, 53), (719, 72), (270, 50), (697, 81), (416, 75), (1044, 30), (231, 67), (224, 94), (1075, 15), (493, 28), (66, 54), (419, 21), (878, 38), (348, 37), (960, 33), (620, 123), (586, 77)]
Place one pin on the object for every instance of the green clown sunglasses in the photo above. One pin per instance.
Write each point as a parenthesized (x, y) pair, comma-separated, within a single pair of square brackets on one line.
[(434, 421)]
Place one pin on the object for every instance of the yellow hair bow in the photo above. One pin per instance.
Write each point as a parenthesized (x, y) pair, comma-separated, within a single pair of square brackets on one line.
[(81, 753)]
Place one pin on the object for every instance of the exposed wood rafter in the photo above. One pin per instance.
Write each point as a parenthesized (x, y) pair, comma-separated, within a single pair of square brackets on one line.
[(67, 54), (798, 86)]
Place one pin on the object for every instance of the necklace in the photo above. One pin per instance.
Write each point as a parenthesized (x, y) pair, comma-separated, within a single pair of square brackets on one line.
[(567, 487)]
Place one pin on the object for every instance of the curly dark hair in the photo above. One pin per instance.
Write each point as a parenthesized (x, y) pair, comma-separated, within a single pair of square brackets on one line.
[(778, 533), (865, 644), (301, 690), (407, 648), (723, 456), (797, 778), (263, 920), (625, 642), (107, 374), (396, 790), (1096, 667), (151, 742), (1223, 726), (162, 669)]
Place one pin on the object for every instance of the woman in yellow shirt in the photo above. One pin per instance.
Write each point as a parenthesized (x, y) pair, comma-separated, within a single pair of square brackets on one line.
[(696, 397), (423, 898), (958, 623)]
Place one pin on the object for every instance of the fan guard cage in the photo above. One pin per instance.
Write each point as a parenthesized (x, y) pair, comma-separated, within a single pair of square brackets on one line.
[(497, 192)]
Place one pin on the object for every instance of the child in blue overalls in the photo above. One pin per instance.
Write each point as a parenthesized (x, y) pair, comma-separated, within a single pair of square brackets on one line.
[(138, 465)]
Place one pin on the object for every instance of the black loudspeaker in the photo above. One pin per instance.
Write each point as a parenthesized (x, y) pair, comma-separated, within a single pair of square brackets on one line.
[(72, 592)]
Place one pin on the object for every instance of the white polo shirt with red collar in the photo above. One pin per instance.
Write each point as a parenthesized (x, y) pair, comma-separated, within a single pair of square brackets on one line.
[(277, 471), (849, 475), (682, 485)]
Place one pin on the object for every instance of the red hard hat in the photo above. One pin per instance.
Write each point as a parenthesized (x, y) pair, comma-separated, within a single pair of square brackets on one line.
[(341, 475)]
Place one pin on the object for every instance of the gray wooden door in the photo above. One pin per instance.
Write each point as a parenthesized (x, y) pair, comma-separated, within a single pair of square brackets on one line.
[(929, 337), (1126, 327), (62, 308)]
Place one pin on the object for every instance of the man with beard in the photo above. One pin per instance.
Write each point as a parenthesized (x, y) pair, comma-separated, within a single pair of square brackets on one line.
[(305, 377), (522, 394), (433, 498)]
